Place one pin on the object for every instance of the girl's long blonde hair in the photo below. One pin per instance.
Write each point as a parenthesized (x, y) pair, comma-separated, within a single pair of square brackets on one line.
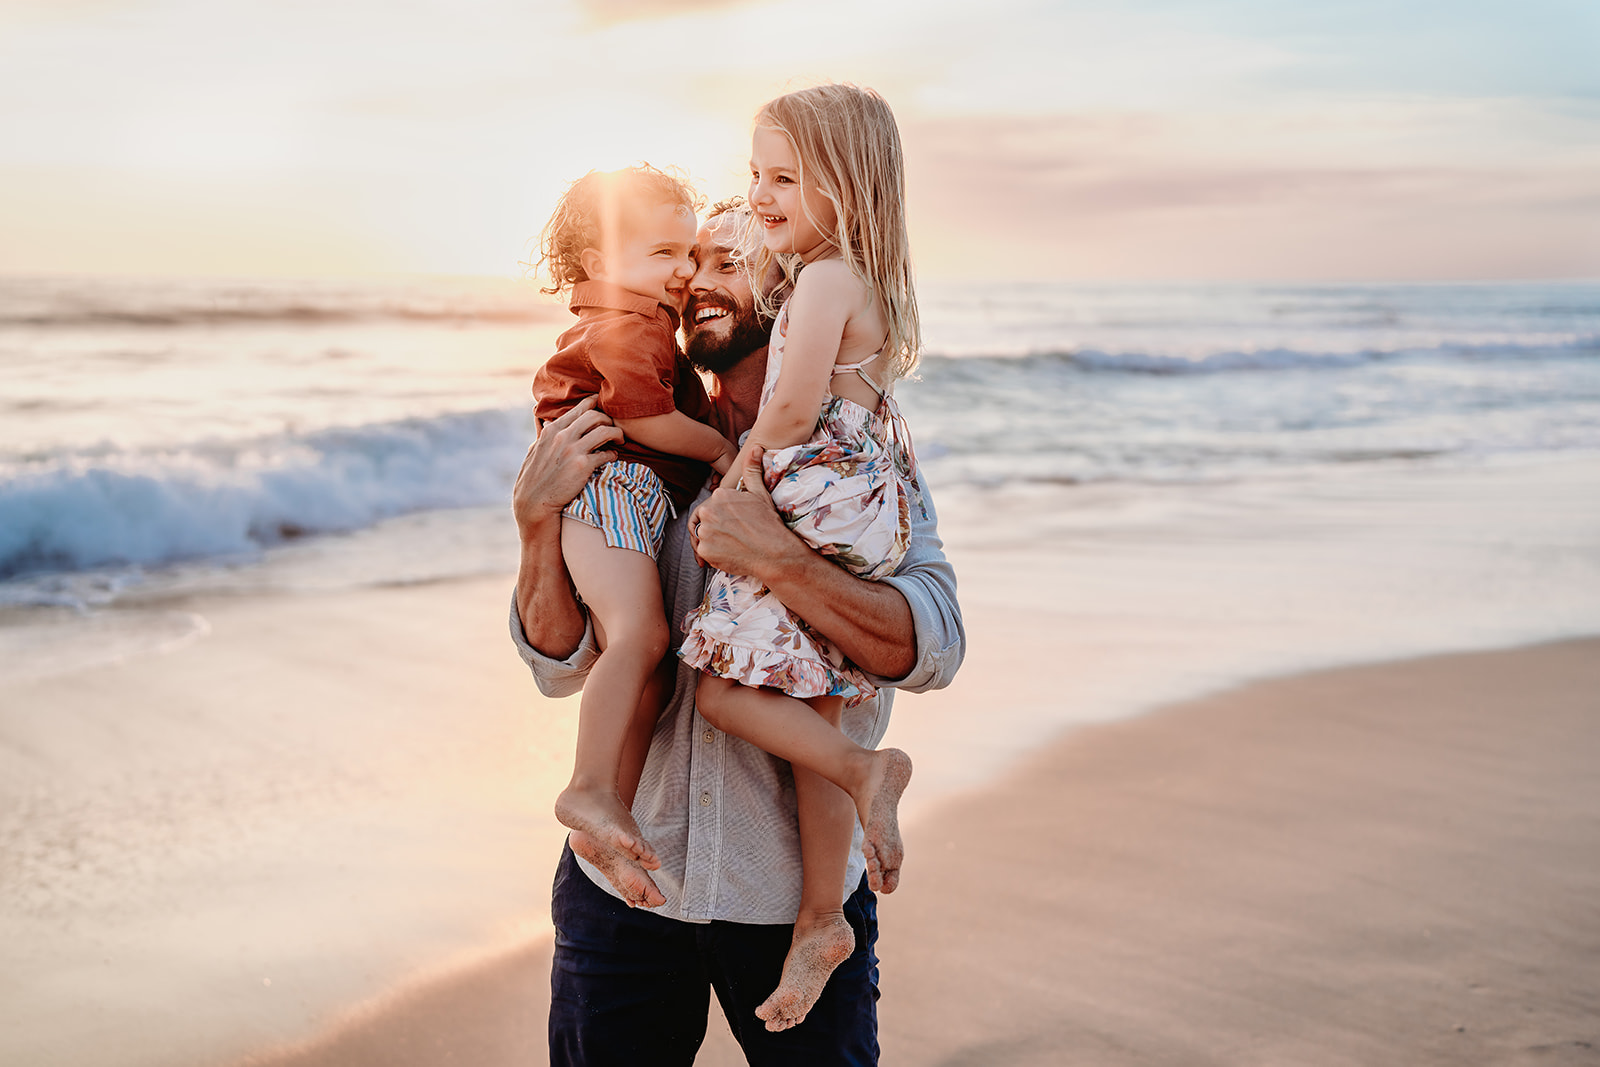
[(847, 143)]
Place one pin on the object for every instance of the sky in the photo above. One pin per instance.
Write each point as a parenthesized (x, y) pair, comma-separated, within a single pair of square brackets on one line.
[(1095, 140)]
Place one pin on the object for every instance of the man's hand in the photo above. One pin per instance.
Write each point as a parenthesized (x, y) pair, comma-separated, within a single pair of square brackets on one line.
[(738, 530), (553, 473), (559, 462)]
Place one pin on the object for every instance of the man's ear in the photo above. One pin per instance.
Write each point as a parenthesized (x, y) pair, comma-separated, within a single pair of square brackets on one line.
[(593, 262)]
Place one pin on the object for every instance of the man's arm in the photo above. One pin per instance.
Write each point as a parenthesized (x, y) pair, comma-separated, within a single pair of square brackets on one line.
[(560, 461), (906, 631)]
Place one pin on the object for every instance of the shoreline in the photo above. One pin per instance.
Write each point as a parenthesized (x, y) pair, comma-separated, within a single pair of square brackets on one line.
[(1286, 871)]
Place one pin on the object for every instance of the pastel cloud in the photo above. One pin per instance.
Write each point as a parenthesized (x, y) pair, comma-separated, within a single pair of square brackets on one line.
[(1204, 138)]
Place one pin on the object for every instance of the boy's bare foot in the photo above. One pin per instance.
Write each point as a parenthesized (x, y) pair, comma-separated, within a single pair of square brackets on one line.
[(621, 869), (821, 943), (879, 808), (615, 836), (600, 814)]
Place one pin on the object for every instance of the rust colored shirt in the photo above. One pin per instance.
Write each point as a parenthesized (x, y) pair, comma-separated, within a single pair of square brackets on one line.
[(624, 350)]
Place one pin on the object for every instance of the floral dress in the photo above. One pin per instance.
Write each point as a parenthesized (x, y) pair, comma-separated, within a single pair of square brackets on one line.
[(847, 492)]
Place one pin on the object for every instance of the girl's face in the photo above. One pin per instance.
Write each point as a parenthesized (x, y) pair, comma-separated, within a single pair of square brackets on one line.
[(794, 215)]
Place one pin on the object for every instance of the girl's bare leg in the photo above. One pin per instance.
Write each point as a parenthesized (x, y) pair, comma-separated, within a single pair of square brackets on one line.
[(623, 592), (789, 729), (823, 938)]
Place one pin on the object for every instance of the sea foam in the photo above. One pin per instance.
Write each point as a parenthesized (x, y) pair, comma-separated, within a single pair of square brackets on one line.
[(220, 499)]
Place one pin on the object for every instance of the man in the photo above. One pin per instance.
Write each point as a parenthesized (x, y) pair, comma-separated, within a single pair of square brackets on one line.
[(633, 985)]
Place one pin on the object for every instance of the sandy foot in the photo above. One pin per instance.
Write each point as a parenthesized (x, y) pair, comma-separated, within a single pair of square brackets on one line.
[(623, 867), (601, 815), (820, 944), (880, 818)]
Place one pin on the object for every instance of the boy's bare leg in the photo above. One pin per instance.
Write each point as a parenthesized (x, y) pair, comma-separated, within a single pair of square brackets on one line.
[(623, 592), (789, 729), (621, 869), (823, 938)]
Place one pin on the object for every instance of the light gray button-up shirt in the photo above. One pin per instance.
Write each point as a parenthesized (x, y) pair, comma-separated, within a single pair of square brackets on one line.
[(720, 812)]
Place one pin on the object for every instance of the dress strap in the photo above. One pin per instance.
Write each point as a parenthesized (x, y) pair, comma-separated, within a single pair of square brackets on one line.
[(846, 368)]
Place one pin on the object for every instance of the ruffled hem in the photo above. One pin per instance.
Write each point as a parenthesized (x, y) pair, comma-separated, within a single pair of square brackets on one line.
[(798, 677)]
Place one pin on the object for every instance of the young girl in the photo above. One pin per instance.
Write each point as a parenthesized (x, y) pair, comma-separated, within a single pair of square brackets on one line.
[(623, 243), (826, 189)]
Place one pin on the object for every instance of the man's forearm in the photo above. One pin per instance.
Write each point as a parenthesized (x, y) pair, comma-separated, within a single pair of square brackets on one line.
[(554, 471), (552, 621), (869, 621)]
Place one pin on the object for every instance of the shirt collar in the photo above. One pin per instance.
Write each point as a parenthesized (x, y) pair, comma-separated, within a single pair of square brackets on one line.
[(597, 294)]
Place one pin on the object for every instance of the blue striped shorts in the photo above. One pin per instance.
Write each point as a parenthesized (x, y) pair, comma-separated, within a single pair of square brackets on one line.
[(627, 503)]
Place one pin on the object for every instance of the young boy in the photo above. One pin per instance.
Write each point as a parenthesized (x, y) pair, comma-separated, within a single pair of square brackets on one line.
[(622, 243)]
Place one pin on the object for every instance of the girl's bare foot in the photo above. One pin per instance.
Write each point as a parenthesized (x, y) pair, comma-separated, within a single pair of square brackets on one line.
[(621, 869), (821, 942), (879, 809)]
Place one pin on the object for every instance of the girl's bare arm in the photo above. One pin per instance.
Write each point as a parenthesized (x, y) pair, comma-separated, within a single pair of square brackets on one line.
[(825, 298)]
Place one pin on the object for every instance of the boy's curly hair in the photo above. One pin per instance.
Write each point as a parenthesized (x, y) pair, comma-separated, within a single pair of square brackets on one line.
[(593, 206)]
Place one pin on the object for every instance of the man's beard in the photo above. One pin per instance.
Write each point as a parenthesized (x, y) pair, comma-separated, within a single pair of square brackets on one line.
[(715, 354)]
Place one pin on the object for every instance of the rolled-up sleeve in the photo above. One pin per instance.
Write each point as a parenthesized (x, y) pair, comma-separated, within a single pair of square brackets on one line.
[(928, 583), (555, 677)]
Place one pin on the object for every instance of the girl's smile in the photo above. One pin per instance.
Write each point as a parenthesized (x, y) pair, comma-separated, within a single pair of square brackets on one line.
[(794, 213)]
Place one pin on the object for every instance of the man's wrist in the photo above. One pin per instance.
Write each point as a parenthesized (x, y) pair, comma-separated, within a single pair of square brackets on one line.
[(791, 565), (539, 525)]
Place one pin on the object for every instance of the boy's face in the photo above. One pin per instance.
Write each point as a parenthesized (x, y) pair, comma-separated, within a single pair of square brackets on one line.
[(653, 255)]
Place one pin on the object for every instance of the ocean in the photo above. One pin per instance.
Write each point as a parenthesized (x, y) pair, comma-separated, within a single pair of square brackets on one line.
[(162, 437)]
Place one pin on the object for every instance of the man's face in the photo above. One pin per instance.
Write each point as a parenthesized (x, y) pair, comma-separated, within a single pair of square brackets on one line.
[(720, 326)]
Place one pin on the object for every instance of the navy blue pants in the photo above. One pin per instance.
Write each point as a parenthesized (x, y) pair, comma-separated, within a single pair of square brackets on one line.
[(631, 987)]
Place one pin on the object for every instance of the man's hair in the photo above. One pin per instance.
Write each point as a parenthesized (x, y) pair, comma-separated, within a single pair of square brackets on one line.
[(595, 207), (779, 281), (735, 204), (848, 147)]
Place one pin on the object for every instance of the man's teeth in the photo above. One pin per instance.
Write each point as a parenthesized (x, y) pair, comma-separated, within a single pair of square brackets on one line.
[(709, 313)]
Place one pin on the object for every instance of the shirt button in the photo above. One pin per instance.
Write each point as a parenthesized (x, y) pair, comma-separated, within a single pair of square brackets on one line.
[(710, 736), (705, 799)]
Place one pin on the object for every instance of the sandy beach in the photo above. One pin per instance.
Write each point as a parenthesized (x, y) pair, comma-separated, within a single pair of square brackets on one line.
[(347, 860), (1386, 864)]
